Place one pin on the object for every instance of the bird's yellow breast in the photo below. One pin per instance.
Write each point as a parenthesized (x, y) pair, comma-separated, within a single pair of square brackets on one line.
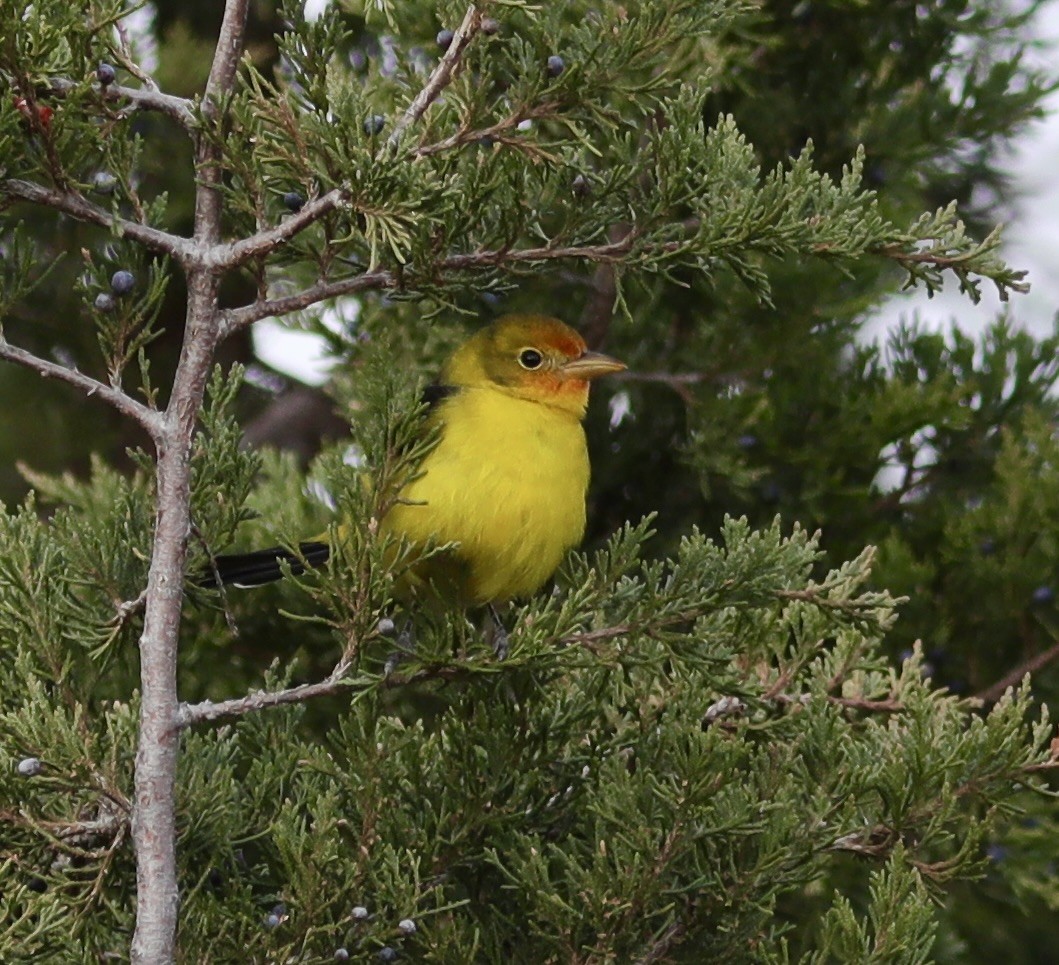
[(507, 482)]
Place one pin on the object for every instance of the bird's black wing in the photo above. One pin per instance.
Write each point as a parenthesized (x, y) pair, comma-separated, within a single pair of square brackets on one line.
[(264, 566)]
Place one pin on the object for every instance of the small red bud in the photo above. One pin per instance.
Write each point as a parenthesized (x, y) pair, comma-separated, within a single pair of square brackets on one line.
[(44, 114)]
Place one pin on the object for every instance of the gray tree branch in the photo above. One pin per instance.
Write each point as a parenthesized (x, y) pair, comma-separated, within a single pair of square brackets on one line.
[(144, 416), (439, 77), (234, 319), (208, 710), (78, 207), (154, 812), (179, 109), (265, 242), (333, 683)]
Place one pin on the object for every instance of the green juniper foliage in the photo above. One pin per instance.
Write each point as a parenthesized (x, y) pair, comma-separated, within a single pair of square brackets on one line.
[(700, 736), (722, 735)]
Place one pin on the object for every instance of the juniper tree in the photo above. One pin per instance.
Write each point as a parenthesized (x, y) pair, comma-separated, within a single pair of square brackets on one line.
[(698, 747)]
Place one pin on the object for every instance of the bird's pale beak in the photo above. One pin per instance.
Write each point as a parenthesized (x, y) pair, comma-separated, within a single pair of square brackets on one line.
[(590, 365)]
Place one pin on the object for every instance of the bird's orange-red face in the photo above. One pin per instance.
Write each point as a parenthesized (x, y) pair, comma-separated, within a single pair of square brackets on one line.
[(539, 358)]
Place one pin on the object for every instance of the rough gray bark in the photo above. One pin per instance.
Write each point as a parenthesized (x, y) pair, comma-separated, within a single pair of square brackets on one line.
[(154, 811)]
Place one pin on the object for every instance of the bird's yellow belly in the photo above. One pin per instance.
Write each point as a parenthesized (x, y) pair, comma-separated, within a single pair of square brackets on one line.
[(507, 483)]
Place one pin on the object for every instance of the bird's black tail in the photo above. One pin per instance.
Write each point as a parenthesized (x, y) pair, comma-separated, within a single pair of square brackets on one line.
[(264, 566)]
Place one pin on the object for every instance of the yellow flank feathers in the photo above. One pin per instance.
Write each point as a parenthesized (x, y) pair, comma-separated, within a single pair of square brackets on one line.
[(506, 480)]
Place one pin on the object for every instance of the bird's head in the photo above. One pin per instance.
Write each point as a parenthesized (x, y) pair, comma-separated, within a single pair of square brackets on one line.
[(532, 357)]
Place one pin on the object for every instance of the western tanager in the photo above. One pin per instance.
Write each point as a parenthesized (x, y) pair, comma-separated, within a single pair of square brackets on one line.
[(507, 478)]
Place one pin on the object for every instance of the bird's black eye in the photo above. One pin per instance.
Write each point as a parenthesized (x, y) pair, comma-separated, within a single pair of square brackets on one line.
[(530, 358)]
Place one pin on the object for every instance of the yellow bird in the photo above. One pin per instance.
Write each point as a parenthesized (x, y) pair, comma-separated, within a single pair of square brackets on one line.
[(507, 478)]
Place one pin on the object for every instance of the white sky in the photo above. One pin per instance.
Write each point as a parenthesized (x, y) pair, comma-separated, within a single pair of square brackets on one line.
[(293, 352), (1031, 237)]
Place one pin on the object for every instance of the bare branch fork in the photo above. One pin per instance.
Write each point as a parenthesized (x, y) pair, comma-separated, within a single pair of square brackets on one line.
[(264, 242)]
